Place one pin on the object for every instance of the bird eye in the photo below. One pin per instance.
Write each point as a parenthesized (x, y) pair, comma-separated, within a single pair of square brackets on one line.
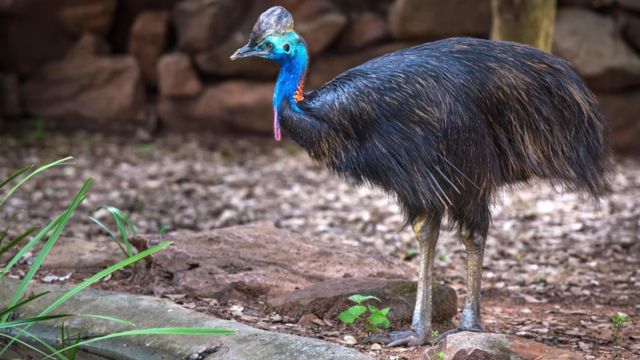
[(286, 47), (269, 46)]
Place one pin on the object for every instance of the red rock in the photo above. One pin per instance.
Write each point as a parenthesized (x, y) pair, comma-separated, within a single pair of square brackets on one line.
[(487, 346), (176, 76), (216, 61), (596, 50), (80, 16), (204, 24), (249, 261), (231, 105), (97, 92), (437, 19), (367, 29), (147, 41), (321, 31), (330, 297), (89, 45)]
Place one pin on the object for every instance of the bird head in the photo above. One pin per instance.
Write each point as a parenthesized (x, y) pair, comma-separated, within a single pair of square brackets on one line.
[(272, 37)]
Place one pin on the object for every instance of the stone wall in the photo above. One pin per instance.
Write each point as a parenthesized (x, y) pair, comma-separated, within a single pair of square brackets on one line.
[(130, 64)]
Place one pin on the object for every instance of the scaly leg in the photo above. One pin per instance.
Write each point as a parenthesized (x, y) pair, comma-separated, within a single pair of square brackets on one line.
[(470, 320), (426, 231)]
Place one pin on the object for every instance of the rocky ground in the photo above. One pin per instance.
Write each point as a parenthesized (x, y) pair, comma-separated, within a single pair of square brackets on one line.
[(556, 268)]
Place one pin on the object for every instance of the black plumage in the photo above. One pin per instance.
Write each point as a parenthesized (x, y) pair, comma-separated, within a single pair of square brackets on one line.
[(443, 125)]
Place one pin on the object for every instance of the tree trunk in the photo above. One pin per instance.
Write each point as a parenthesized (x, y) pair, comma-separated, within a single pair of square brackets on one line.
[(525, 21)]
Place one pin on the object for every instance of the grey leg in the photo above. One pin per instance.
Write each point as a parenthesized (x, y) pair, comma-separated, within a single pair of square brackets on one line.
[(470, 319), (426, 231), (474, 246)]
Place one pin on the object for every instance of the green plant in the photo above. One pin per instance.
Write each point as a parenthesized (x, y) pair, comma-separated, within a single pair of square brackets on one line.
[(441, 355), (377, 318), (618, 322), (434, 336), (124, 226), (15, 330)]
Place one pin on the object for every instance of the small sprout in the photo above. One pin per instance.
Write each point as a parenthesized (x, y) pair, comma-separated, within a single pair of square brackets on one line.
[(443, 257), (146, 147), (434, 336), (619, 321), (441, 355), (410, 253), (518, 257), (377, 318)]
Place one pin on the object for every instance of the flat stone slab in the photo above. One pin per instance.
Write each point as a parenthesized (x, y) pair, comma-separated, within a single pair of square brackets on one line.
[(149, 312), (487, 346), (245, 262)]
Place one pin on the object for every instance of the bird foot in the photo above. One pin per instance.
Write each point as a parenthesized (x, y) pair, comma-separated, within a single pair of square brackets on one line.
[(473, 328), (399, 338)]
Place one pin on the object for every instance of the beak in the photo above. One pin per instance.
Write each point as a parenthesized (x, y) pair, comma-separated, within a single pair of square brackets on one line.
[(246, 51)]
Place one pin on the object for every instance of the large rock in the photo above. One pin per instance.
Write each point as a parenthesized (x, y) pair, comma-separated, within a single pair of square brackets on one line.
[(31, 35), (366, 29), (234, 104), (147, 312), (594, 47), (148, 40), (204, 24), (436, 19), (321, 31), (487, 346), (176, 76), (99, 92), (80, 16), (327, 67), (622, 111), (216, 61), (83, 255), (328, 298), (258, 260)]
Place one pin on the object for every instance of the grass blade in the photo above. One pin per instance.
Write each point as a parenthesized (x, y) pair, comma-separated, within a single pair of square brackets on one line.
[(48, 245), (23, 302), (15, 175), (34, 173), (32, 320), (17, 240), (151, 331), (27, 345)]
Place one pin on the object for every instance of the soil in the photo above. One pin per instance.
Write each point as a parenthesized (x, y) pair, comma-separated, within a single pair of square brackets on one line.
[(557, 267)]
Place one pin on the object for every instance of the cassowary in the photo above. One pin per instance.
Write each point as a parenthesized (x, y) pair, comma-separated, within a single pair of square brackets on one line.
[(440, 126)]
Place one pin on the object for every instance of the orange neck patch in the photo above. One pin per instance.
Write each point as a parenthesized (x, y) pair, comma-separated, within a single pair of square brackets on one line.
[(299, 94)]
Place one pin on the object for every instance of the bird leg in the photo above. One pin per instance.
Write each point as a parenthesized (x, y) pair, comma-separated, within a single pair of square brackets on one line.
[(426, 230), (470, 320)]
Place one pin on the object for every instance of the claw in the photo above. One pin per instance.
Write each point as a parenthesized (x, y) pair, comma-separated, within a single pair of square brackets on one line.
[(398, 338), (474, 328)]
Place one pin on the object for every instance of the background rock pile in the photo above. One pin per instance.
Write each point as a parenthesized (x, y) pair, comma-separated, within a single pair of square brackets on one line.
[(143, 64)]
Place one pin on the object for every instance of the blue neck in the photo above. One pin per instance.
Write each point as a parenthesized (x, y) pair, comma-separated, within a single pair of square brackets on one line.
[(292, 71)]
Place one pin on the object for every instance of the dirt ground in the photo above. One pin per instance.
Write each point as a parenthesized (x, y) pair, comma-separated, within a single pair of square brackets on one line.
[(556, 266)]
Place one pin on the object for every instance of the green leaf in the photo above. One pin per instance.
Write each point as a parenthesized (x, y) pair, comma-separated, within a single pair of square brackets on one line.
[(26, 178), (385, 311), (57, 231), (372, 309), (37, 319), (15, 175), (351, 314), (359, 299), (23, 302), (378, 319), (13, 243)]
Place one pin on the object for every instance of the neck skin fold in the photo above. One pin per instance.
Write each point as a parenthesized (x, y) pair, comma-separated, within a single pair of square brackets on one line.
[(289, 84)]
